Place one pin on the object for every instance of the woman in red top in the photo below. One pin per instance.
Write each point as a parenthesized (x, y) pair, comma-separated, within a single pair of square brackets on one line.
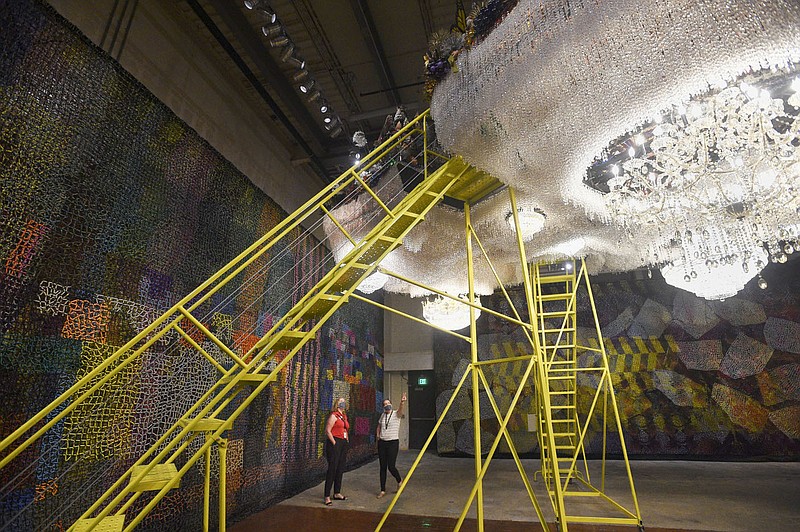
[(337, 441)]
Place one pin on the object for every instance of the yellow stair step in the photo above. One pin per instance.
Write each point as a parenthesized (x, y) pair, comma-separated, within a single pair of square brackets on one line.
[(110, 523), (247, 377), (159, 476), (208, 424), (289, 340), (320, 306)]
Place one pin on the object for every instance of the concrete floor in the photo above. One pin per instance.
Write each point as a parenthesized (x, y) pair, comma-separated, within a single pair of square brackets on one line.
[(673, 495)]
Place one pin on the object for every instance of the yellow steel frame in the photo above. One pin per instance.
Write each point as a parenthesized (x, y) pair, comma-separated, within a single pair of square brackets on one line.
[(250, 373), (541, 366)]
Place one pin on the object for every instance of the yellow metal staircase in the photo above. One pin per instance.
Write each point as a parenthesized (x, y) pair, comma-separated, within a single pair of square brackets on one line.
[(243, 376), (554, 365)]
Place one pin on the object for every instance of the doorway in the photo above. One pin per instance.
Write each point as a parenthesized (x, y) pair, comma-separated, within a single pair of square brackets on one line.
[(421, 408)]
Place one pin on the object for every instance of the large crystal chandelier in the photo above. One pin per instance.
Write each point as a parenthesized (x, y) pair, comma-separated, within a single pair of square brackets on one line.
[(723, 171), (448, 313)]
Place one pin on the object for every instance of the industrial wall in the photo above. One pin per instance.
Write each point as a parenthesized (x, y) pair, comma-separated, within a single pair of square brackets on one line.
[(112, 209), (693, 378)]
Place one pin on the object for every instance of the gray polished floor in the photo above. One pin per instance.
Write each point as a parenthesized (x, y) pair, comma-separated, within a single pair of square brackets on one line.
[(679, 495)]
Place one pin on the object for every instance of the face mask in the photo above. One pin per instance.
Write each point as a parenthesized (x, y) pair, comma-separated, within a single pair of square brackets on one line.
[(387, 408), (342, 404)]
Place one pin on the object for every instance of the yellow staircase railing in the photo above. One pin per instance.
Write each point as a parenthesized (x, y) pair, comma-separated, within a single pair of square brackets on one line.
[(243, 376)]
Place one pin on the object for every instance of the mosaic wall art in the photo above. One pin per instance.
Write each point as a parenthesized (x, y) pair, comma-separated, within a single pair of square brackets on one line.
[(111, 209), (693, 378)]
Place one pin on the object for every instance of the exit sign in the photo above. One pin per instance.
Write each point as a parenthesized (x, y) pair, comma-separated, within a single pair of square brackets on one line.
[(422, 381)]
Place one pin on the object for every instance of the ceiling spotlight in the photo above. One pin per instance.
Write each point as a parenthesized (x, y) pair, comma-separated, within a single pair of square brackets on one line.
[(335, 133), (281, 40), (253, 4), (288, 51), (269, 13), (327, 120), (314, 96), (300, 75), (296, 62), (273, 30), (307, 86), (323, 107), (331, 123)]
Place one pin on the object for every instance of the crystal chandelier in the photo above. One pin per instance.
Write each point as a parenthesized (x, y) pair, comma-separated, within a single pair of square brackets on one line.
[(448, 313), (720, 175), (531, 221)]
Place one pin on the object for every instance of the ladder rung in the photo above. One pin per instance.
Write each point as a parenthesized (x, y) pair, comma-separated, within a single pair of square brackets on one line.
[(554, 331), (158, 477), (563, 392), (560, 378), (556, 313), (555, 297), (550, 279), (110, 523), (562, 407), (208, 424)]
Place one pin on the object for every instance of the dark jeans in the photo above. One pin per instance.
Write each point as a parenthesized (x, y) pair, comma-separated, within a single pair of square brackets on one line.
[(387, 454), (337, 458)]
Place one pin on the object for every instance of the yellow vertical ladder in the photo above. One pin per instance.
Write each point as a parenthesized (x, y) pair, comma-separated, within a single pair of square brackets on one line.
[(555, 287), (564, 420)]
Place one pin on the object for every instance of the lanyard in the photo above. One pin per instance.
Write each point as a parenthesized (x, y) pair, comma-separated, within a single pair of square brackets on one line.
[(386, 420)]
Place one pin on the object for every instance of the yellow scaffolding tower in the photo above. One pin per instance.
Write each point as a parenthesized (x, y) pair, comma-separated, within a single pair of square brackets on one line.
[(554, 365), (204, 425)]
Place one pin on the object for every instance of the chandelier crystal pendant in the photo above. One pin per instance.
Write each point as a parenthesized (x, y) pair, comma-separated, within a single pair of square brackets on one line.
[(448, 313), (531, 221), (716, 183)]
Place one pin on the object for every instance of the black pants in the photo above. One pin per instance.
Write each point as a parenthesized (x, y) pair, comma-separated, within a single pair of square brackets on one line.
[(387, 454), (337, 458)]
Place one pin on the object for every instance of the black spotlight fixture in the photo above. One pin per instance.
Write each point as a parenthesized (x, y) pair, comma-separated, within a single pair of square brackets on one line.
[(287, 52), (272, 30), (336, 132), (323, 107), (280, 40), (300, 75), (306, 86), (296, 62), (314, 96), (262, 6)]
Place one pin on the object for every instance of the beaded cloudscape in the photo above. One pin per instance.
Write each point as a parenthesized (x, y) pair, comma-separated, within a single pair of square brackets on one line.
[(658, 135)]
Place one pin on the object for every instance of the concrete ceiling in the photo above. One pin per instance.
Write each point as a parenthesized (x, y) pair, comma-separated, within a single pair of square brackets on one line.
[(365, 56)]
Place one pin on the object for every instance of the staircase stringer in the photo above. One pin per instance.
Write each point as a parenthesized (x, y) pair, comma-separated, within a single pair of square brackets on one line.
[(239, 374)]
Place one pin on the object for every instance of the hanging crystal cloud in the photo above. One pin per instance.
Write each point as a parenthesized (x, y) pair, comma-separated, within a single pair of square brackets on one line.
[(558, 81)]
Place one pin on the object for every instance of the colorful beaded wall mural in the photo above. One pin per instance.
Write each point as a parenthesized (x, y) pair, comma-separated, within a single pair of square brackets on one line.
[(693, 378), (112, 209)]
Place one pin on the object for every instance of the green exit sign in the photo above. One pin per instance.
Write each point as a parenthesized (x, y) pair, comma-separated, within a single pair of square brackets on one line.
[(422, 381)]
